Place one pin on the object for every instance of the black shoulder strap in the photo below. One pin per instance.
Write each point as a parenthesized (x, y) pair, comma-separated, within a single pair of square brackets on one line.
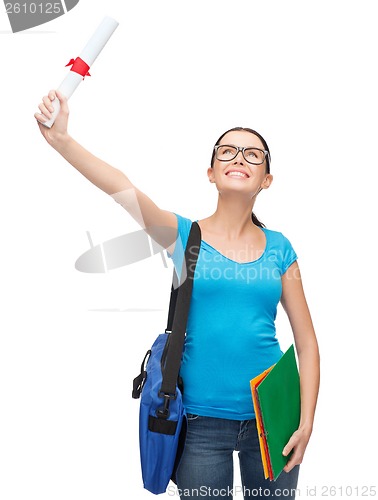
[(178, 313)]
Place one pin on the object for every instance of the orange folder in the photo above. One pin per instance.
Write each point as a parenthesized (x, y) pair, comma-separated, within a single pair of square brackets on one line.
[(259, 423)]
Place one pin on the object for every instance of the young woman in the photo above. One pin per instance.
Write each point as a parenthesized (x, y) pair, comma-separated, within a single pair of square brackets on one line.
[(243, 271)]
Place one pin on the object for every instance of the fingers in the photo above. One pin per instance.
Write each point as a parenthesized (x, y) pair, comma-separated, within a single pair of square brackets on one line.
[(293, 441), (295, 459), (297, 443), (40, 117), (46, 106)]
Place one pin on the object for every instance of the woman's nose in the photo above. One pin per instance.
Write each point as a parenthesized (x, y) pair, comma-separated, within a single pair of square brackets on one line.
[(239, 158)]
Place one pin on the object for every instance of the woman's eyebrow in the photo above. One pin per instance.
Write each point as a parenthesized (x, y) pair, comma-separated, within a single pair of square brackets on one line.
[(257, 147)]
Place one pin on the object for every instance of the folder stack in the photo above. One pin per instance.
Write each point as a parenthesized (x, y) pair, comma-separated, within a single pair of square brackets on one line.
[(276, 399)]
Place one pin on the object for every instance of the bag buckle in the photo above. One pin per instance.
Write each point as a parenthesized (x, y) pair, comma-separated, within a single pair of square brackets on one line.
[(163, 411)]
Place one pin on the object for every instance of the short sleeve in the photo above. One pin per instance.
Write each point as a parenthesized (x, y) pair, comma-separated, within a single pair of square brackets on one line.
[(288, 254), (183, 229)]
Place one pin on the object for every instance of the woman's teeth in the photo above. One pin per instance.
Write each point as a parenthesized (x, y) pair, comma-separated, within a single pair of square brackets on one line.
[(237, 174)]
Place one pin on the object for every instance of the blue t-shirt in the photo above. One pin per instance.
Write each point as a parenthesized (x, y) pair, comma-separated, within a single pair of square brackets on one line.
[(230, 334)]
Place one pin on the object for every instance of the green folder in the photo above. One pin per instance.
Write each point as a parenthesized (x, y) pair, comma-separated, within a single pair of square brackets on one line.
[(279, 405)]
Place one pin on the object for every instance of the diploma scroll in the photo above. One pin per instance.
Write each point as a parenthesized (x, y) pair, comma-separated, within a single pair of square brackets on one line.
[(81, 64)]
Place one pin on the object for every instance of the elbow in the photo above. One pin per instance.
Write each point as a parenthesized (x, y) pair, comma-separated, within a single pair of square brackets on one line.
[(308, 346)]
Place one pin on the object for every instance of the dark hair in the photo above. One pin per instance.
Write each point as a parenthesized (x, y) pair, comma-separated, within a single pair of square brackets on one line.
[(255, 220)]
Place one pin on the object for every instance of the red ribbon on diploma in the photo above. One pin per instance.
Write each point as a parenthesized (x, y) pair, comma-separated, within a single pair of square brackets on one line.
[(79, 66)]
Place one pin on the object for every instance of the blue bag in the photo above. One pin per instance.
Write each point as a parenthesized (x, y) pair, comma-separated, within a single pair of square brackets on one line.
[(159, 436), (162, 416)]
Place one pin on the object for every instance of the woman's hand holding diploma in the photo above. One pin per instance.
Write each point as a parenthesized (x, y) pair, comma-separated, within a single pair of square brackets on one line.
[(57, 134)]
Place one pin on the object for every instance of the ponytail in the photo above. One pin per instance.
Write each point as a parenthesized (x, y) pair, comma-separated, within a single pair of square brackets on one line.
[(256, 221)]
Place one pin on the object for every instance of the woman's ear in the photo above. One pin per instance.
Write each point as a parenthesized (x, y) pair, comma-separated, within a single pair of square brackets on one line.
[(267, 181), (210, 174)]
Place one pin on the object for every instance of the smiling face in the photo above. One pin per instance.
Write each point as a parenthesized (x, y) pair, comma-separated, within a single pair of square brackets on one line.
[(237, 173)]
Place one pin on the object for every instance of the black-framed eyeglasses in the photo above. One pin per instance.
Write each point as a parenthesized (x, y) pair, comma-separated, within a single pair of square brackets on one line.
[(226, 152)]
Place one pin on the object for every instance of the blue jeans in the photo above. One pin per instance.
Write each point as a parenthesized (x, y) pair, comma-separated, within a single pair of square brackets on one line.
[(206, 467)]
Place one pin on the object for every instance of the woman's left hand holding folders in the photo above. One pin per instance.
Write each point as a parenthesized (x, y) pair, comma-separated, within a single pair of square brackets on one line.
[(298, 443)]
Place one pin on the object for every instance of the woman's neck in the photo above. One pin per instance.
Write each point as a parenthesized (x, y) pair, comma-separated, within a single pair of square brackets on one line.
[(233, 217)]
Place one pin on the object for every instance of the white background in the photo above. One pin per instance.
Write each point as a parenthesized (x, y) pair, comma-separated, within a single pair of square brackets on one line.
[(175, 74)]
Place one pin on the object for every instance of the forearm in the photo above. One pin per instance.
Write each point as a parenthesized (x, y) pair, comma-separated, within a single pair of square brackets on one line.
[(309, 370), (101, 174)]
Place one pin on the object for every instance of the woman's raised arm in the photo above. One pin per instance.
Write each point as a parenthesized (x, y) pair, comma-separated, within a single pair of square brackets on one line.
[(160, 224)]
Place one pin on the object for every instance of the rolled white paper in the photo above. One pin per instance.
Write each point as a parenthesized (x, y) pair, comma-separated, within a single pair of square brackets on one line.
[(89, 54)]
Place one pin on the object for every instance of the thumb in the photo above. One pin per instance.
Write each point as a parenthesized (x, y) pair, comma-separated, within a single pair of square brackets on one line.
[(63, 101), (289, 446)]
